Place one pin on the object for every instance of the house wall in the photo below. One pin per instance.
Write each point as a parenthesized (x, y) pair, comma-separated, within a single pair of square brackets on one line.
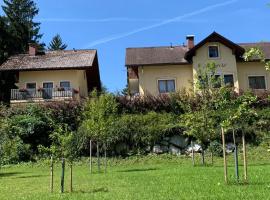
[(251, 68), (149, 76), (226, 62), (76, 77)]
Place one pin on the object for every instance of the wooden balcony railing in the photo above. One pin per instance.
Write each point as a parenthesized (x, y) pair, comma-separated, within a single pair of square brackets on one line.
[(42, 94)]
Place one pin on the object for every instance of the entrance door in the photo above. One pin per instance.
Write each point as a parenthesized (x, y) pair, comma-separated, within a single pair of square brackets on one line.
[(48, 90)]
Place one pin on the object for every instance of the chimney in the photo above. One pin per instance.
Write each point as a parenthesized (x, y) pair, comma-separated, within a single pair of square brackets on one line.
[(33, 49), (190, 41)]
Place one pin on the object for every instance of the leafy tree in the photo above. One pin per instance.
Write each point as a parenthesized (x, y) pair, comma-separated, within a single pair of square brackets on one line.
[(99, 115), (257, 53), (57, 44), (20, 15)]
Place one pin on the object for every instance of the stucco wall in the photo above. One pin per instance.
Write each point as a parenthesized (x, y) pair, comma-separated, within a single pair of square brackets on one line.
[(149, 76), (226, 61), (76, 78), (249, 69)]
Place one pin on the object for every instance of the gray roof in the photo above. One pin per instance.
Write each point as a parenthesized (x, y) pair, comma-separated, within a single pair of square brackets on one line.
[(51, 60), (173, 55), (156, 55), (264, 46)]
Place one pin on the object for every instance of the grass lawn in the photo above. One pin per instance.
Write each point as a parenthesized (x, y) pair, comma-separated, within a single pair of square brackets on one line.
[(152, 177)]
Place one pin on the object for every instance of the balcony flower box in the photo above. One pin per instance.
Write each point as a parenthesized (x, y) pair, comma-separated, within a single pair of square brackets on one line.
[(60, 89), (75, 91), (23, 90), (40, 89)]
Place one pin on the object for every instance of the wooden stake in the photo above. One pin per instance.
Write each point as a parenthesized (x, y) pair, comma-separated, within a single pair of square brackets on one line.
[(51, 181), (212, 158), (71, 178), (63, 175), (193, 161), (224, 156), (105, 155), (236, 158), (98, 159), (90, 156), (244, 157)]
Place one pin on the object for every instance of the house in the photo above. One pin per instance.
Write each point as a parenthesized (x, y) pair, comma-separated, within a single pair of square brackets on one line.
[(156, 70), (53, 75)]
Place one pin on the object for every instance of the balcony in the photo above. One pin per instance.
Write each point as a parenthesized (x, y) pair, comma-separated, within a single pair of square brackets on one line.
[(44, 94)]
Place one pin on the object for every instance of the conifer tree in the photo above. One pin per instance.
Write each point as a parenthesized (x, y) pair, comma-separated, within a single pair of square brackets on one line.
[(57, 44), (20, 15)]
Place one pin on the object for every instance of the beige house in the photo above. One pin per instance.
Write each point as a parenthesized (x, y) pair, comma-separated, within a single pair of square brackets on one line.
[(53, 75), (157, 70)]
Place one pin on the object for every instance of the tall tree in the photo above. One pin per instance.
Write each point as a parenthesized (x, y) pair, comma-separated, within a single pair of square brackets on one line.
[(20, 15), (57, 43)]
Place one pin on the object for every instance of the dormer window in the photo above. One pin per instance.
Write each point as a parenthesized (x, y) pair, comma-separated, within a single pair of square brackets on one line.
[(213, 51)]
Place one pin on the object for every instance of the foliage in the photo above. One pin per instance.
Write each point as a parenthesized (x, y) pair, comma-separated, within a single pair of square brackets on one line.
[(216, 148), (20, 15), (99, 116), (57, 44), (255, 53)]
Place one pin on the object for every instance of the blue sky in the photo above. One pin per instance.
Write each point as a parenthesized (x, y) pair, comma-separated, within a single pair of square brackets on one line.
[(112, 26)]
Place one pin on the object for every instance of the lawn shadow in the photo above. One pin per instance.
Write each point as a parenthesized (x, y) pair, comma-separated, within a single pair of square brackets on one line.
[(138, 170), (8, 174), (96, 190), (31, 176)]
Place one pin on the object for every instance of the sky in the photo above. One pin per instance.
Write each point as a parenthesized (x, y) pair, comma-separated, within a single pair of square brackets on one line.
[(111, 26)]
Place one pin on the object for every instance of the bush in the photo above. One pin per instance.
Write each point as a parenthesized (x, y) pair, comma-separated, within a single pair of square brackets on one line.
[(216, 148)]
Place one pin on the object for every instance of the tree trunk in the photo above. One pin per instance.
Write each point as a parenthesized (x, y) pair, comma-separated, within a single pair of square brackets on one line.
[(51, 181), (203, 160), (193, 161), (244, 157), (90, 155), (71, 177), (224, 156), (63, 175), (236, 158), (98, 159)]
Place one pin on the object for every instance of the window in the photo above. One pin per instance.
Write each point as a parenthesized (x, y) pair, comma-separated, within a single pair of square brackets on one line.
[(257, 82), (228, 80), (166, 86), (216, 81), (31, 85), (65, 85), (213, 51)]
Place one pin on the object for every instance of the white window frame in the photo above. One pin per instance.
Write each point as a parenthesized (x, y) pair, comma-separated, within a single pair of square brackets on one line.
[(229, 74), (253, 75), (166, 79), (48, 82), (65, 81), (208, 53)]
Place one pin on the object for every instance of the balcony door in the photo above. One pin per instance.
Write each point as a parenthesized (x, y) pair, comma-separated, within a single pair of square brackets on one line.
[(48, 90)]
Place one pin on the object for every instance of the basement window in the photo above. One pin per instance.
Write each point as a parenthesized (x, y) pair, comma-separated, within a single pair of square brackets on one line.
[(257, 82), (166, 86)]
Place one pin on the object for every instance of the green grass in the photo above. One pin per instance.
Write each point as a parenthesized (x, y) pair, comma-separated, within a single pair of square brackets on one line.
[(152, 177)]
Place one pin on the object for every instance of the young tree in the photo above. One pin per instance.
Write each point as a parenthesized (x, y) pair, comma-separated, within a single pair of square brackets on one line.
[(20, 15), (57, 43), (201, 123)]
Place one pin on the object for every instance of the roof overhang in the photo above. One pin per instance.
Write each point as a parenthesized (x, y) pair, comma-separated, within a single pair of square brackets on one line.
[(238, 51)]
